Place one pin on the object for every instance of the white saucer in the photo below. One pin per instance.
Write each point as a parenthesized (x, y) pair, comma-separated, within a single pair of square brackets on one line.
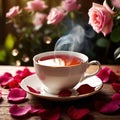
[(36, 84)]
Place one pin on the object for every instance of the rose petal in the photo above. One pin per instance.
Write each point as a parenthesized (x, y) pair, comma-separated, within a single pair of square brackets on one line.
[(4, 79), (107, 75), (116, 87), (99, 104), (64, 93), (19, 111), (33, 90), (110, 107), (0, 94), (107, 107), (84, 89), (77, 113), (16, 95), (53, 114), (24, 73), (116, 97), (38, 109)]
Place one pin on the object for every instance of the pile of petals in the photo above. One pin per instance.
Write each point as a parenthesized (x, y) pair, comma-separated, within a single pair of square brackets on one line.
[(7, 80), (11, 82), (113, 105), (46, 114)]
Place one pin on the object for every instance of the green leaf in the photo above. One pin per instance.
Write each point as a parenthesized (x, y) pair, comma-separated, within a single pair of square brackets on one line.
[(115, 35), (102, 42), (10, 41), (2, 55)]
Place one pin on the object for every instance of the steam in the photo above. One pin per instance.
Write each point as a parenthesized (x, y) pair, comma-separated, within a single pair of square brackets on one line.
[(79, 39)]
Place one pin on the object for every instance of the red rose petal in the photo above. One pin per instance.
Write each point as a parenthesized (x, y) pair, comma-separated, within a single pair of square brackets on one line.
[(99, 104), (77, 113), (16, 95), (110, 107), (19, 111), (116, 87), (53, 114), (33, 90), (107, 75), (64, 93), (84, 89)]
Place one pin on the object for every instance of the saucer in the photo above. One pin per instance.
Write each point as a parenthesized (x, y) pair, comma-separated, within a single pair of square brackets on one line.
[(33, 82)]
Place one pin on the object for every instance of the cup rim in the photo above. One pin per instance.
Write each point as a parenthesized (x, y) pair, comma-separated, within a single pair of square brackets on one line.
[(72, 53)]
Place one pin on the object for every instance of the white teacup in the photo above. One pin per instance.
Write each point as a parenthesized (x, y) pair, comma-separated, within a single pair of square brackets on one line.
[(59, 70)]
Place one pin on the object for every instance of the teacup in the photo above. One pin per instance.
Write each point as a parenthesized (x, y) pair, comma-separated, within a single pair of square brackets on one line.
[(59, 70)]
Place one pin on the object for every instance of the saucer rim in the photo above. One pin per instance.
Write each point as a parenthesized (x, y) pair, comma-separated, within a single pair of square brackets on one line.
[(56, 97)]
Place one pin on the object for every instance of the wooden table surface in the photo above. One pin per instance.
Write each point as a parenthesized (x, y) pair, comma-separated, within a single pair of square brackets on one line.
[(104, 93)]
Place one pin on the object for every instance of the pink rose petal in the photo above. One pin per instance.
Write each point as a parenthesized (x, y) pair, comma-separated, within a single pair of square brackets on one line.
[(84, 89), (110, 107), (107, 75), (19, 111), (0, 94), (116, 87), (77, 113), (107, 107), (4, 79), (24, 73), (64, 93), (116, 97), (33, 90), (16, 95), (38, 109)]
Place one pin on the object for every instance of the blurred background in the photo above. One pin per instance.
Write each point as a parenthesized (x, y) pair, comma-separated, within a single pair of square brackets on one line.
[(19, 44)]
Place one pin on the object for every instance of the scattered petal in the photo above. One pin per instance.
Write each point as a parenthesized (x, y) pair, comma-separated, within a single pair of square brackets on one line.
[(33, 90), (38, 109), (107, 107), (77, 113), (16, 95), (24, 73), (53, 114), (84, 89), (107, 75), (5, 78), (116, 96), (99, 104), (0, 94), (64, 93), (116, 87), (110, 107), (19, 111)]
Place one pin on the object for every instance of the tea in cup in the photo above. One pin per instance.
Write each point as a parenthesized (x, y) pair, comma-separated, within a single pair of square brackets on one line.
[(59, 70)]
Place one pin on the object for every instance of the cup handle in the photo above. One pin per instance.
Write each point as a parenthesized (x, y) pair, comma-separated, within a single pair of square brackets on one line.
[(94, 62)]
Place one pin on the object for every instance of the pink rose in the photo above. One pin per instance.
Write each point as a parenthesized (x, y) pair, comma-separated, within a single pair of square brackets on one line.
[(70, 5), (36, 5), (39, 19), (101, 18), (116, 3), (13, 12), (55, 16)]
